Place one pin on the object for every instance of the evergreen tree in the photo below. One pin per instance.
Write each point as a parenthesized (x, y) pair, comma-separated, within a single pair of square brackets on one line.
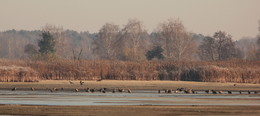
[(47, 43), (156, 52)]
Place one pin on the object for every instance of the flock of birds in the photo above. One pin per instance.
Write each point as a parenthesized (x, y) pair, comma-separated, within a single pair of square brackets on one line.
[(90, 90), (191, 91), (169, 91)]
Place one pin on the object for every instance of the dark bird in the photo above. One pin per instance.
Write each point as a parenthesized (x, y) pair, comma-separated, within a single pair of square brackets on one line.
[(121, 90), (166, 90), (129, 91), (81, 82), (103, 90), (248, 92), (189, 91), (53, 89), (170, 91), (159, 91), (114, 90), (194, 92), (207, 91), (240, 92), (14, 89), (92, 90), (100, 90), (229, 92), (235, 84), (256, 92), (87, 90), (99, 80), (214, 92)]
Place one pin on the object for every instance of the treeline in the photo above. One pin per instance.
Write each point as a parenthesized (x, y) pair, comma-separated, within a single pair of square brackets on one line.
[(170, 41), (238, 71), (23, 44)]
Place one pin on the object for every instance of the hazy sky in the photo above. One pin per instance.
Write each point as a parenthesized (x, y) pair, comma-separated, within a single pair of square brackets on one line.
[(237, 17)]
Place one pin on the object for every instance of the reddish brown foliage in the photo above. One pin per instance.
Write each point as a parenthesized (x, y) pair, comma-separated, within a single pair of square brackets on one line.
[(224, 71)]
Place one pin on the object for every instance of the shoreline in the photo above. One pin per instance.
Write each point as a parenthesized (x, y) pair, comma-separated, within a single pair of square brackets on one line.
[(131, 84)]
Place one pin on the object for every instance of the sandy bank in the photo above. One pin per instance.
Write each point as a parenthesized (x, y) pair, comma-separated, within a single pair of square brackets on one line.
[(129, 110)]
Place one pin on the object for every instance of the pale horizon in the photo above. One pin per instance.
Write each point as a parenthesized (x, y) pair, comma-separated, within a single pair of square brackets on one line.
[(239, 18)]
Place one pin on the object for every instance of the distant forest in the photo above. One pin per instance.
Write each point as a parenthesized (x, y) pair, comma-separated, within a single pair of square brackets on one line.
[(128, 53), (169, 41)]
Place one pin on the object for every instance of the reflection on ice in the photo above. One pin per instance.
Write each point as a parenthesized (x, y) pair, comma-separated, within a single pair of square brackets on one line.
[(135, 98)]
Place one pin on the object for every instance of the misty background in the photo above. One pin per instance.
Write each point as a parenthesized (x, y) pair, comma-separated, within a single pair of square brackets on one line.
[(80, 22), (237, 17)]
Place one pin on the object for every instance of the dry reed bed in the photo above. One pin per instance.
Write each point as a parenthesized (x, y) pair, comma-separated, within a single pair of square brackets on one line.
[(17, 74), (223, 71)]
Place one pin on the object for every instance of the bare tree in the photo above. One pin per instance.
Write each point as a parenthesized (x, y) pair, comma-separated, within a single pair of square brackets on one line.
[(207, 50), (30, 50), (80, 45), (258, 43), (225, 46), (132, 35), (248, 46), (218, 47), (177, 42), (75, 55), (252, 52), (106, 38)]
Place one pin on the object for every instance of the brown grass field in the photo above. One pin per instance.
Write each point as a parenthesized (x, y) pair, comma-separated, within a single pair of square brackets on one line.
[(234, 71), (130, 110)]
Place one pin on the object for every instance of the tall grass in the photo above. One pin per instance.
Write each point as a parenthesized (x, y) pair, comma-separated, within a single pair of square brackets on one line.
[(223, 71)]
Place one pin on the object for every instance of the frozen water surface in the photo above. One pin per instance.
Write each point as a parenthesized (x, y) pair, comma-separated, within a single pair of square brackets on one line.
[(136, 98)]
